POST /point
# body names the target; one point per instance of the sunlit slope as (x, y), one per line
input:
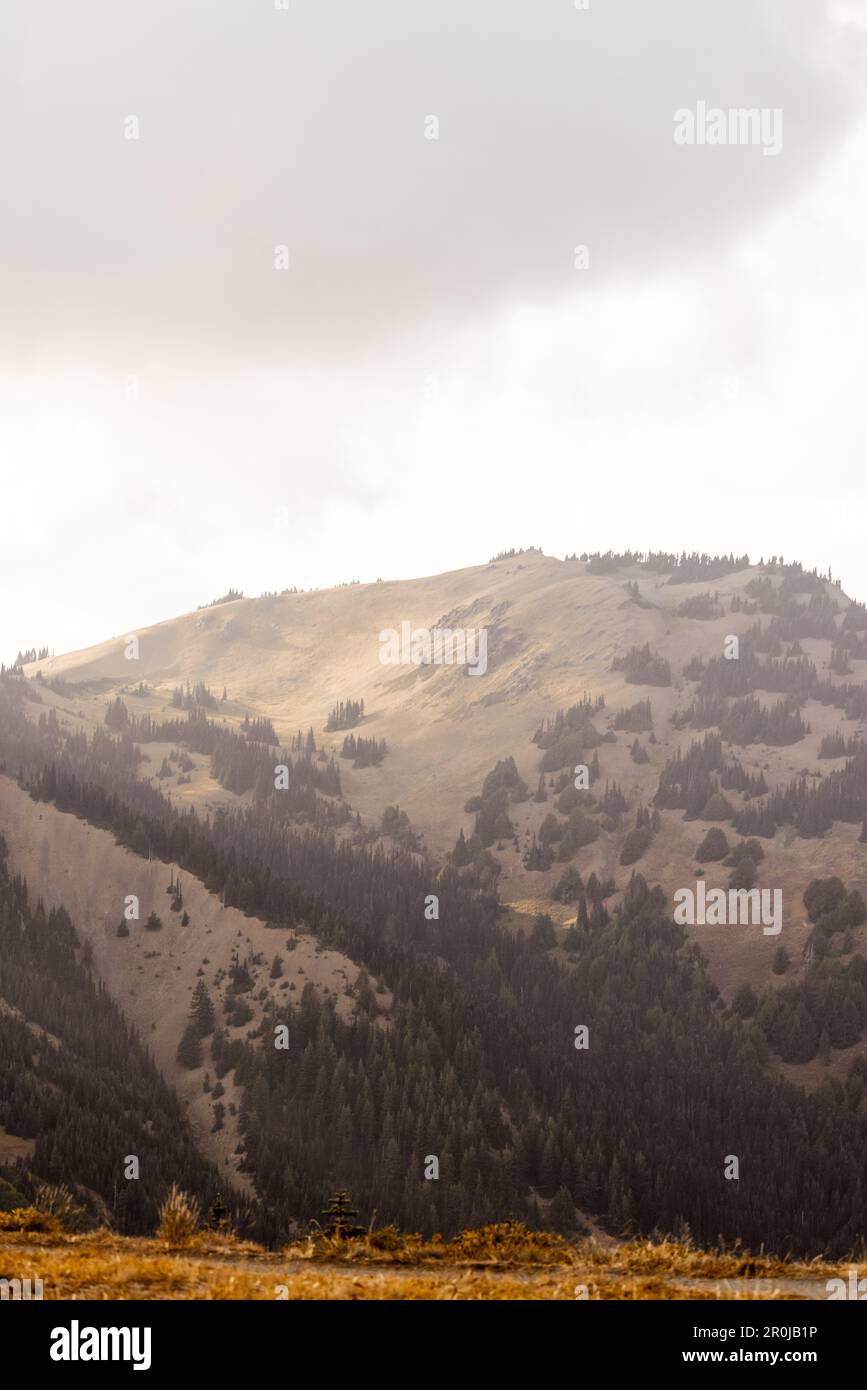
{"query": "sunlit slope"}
(553, 632)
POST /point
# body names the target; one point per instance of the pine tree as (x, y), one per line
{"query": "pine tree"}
(744, 1002)
(339, 1214)
(781, 961)
(202, 1011)
(189, 1052)
(561, 1212)
(461, 853)
(217, 1218)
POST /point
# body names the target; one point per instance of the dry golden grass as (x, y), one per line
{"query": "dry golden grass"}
(29, 1219)
(179, 1218)
(504, 1262)
(507, 1243)
(646, 1257)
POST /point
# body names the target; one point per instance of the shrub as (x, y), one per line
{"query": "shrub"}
(569, 887)
(714, 846)
(745, 1002)
(635, 844)
(29, 1219)
(240, 1014)
(179, 1217)
(510, 1241)
(823, 895)
(568, 799)
(550, 830)
(781, 961)
(745, 849)
(387, 1238)
(744, 874)
(55, 1200)
(583, 827)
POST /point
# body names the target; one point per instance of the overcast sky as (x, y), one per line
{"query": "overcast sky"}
(431, 379)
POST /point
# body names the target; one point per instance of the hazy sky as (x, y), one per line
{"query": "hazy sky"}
(431, 379)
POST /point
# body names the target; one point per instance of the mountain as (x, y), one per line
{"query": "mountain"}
(450, 902)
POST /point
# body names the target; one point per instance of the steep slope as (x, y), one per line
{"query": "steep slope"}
(701, 695)
(79, 1094)
(151, 975)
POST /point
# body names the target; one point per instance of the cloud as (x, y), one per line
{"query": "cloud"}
(261, 127)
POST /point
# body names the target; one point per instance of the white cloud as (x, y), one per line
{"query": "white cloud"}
(700, 386)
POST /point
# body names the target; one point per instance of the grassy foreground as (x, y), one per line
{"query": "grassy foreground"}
(497, 1262)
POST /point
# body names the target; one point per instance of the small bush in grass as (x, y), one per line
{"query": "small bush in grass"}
(29, 1219)
(179, 1217)
(635, 844)
(714, 846)
(386, 1238)
(56, 1200)
(510, 1240)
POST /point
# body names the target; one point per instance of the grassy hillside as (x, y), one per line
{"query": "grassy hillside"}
(556, 629)
(452, 1034)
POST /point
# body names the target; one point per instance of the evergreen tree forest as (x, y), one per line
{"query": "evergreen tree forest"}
(641, 666)
(76, 1078)
(364, 752)
(475, 1059)
(344, 715)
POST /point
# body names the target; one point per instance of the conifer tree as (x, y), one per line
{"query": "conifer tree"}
(202, 1011)
(189, 1052)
